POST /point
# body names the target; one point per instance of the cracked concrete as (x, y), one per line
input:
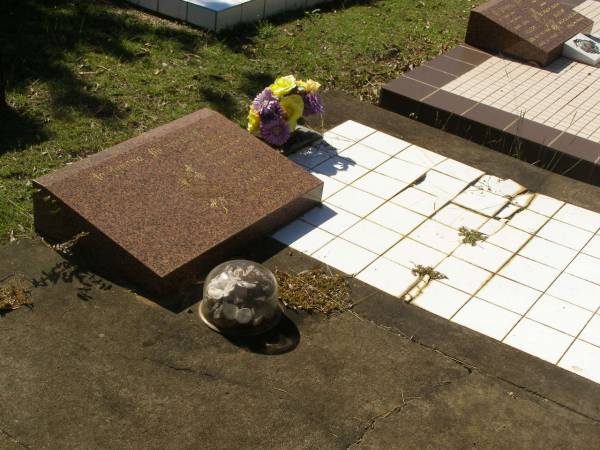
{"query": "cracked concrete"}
(115, 372)
(95, 366)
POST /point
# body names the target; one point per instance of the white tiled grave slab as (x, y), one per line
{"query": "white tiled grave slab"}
(220, 14)
(534, 283)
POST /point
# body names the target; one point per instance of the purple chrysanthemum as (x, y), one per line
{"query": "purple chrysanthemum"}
(275, 131)
(313, 104)
(274, 110)
(265, 102)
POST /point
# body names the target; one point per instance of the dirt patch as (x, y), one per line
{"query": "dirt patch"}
(14, 293)
(314, 291)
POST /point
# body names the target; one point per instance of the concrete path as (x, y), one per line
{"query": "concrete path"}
(95, 366)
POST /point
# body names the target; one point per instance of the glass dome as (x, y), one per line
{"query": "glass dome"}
(240, 298)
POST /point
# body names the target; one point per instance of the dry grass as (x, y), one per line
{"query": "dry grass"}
(471, 236)
(314, 291)
(14, 294)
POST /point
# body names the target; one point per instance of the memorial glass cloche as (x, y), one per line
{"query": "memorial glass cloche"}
(240, 298)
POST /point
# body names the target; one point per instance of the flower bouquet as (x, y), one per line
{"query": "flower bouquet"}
(275, 112)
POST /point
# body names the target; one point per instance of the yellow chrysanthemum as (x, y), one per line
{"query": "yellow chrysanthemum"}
(293, 105)
(253, 121)
(283, 86)
(309, 85)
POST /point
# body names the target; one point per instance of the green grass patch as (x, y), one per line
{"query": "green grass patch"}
(84, 75)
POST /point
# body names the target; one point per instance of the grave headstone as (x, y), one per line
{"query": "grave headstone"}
(531, 30)
(165, 207)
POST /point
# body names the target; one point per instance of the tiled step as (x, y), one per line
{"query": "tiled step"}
(217, 15)
(388, 205)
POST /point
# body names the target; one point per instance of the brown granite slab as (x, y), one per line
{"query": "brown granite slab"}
(531, 30)
(166, 206)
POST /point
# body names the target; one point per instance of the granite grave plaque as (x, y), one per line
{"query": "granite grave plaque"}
(166, 206)
(531, 30)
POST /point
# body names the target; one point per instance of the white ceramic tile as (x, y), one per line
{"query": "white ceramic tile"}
(545, 205)
(591, 332)
(345, 256)
(458, 170)
(379, 185)
(484, 255)
(504, 236)
(396, 218)
(411, 253)
(228, 18)
(330, 186)
(530, 273)
(547, 252)
(420, 156)
(583, 359)
(385, 143)
(330, 218)
(579, 217)
(456, 216)
(528, 221)
(538, 340)
(586, 267)
(200, 16)
(499, 186)
(173, 8)
(486, 318)
(148, 4)
(565, 234)
(336, 143)
(509, 294)
(441, 299)
(253, 10)
(303, 237)
(401, 170)
(441, 185)
(313, 155)
(462, 275)
(355, 201)
(437, 236)
(371, 236)
(273, 7)
(418, 201)
(559, 314)
(577, 291)
(388, 277)
(364, 156)
(341, 169)
(291, 5)
(482, 201)
(216, 5)
(593, 247)
(353, 130)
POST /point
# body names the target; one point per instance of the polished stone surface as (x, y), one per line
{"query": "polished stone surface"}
(167, 205)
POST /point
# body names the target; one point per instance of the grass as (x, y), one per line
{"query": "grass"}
(314, 291)
(84, 75)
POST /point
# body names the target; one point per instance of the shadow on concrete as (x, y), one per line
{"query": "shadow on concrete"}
(67, 272)
(284, 338)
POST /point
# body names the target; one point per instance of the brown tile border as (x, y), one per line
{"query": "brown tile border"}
(533, 131)
(577, 147)
(430, 76)
(449, 65)
(450, 102)
(418, 94)
(468, 55)
(491, 117)
(407, 87)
